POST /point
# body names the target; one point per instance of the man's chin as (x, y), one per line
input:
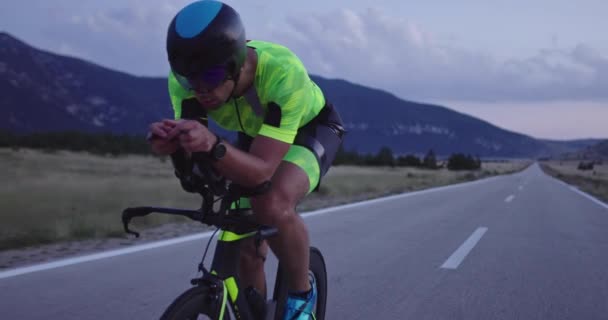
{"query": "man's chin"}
(210, 105)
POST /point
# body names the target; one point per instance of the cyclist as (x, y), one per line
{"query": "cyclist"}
(287, 132)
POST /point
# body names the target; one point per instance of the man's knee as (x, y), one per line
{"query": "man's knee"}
(273, 208)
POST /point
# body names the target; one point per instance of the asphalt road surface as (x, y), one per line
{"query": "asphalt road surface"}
(523, 246)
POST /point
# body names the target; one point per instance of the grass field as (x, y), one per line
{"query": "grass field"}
(594, 182)
(345, 184)
(51, 197)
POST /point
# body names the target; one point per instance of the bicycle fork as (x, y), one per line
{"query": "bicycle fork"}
(223, 279)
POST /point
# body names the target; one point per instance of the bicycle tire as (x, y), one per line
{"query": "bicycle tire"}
(190, 305)
(318, 269)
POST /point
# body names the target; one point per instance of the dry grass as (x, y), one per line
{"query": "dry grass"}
(50, 197)
(60, 196)
(345, 184)
(594, 181)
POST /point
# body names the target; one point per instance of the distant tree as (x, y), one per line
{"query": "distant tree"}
(97, 143)
(584, 165)
(367, 159)
(7, 139)
(459, 161)
(409, 161)
(347, 157)
(430, 160)
(478, 161)
(341, 156)
(384, 157)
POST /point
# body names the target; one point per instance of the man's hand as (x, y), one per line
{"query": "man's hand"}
(192, 135)
(158, 138)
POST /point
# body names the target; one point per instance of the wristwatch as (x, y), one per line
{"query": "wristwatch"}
(218, 150)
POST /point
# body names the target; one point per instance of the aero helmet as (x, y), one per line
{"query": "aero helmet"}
(206, 35)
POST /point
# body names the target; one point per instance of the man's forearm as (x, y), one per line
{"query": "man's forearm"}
(243, 168)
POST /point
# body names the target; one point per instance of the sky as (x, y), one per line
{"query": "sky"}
(536, 67)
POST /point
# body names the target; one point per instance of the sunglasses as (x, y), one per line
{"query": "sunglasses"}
(204, 81)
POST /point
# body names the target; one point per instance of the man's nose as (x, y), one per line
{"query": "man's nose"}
(200, 88)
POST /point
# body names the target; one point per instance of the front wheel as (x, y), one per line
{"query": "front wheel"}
(193, 304)
(317, 270)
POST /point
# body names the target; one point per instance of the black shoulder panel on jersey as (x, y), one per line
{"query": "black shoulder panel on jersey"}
(273, 117)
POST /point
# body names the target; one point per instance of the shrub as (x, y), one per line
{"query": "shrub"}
(409, 161)
(430, 160)
(459, 161)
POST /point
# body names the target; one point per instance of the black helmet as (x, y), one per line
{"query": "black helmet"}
(206, 34)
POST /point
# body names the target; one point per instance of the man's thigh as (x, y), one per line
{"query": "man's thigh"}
(301, 165)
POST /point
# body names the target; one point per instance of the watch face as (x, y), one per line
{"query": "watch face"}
(219, 151)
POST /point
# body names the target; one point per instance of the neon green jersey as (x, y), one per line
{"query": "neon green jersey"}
(289, 98)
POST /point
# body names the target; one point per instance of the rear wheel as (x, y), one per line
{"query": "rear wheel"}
(193, 304)
(316, 270)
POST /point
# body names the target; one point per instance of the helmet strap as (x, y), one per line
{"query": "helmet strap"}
(236, 78)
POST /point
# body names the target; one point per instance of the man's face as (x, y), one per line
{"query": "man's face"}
(214, 98)
(212, 87)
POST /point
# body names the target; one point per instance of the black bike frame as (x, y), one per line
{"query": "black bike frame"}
(235, 226)
(225, 267)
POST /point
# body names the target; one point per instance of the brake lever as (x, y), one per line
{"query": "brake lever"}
(129, 214)
(127, 230)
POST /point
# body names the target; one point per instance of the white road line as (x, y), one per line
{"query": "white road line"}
(588, 196)
(458, 256)
(582, 193)
(510, 198)
(163, 243)
(102, 255)
(561, 182)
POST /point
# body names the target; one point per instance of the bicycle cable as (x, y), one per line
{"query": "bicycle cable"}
(201, 265)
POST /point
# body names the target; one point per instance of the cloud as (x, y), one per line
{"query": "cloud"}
(543, 119)
(373, 47)
(128, 36)
(377, 49)
(68, 50)
(136, 22)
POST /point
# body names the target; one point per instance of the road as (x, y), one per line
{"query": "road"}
(522, 246)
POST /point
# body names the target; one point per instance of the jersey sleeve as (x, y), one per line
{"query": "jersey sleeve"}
(287, 101)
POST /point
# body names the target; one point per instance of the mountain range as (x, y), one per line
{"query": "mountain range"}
(41, 91)
(598, 151)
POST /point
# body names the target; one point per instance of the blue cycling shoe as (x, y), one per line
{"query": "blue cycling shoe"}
(299, 308)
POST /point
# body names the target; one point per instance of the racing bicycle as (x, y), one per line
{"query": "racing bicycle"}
(217, 293)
